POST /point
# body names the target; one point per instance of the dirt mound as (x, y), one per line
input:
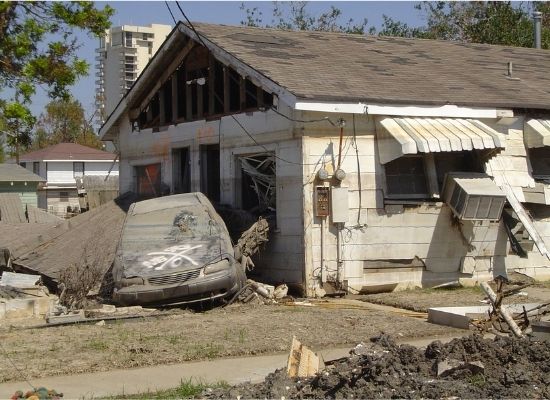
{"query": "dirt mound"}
(470, 367)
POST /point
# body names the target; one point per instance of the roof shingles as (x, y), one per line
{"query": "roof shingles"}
(340, 67)
(67, 152)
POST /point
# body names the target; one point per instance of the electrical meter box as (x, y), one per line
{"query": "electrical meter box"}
(321, 201)
(339, 204)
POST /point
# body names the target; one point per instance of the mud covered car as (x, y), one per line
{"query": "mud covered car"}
(173, 250)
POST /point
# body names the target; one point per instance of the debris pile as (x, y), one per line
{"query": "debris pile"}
(499, 318)
(470, 367)
(260, 293)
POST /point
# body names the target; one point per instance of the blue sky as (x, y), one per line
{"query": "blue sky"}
(223, 12)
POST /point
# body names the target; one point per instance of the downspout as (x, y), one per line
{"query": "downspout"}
(537, 23)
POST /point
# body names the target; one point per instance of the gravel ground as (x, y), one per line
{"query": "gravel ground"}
(178, 336)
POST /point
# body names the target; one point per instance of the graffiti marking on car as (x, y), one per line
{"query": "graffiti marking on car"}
(171, 257)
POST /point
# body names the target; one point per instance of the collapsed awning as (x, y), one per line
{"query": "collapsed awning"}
(399, 136)
(537, 133)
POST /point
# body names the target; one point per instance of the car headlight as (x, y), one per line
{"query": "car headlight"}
(216, 267)
(124, 282)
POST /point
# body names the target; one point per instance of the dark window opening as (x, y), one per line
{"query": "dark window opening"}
(63, 197)
(406, 177)
(167, 94)
(251, 100)
(218, 88)
(23, 164)
(234, 91)
(36, 167)
(268, 99)
(180, 75)
(423, 175)
(194, 105)
(181, 170)
(463, 161)
(210, 171)
(148, 180)
(540, 162)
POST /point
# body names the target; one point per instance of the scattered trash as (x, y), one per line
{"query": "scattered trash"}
(38, 394)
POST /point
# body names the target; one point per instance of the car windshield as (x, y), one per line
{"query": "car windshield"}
(191, 222)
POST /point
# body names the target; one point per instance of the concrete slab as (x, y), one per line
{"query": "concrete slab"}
(460, 317)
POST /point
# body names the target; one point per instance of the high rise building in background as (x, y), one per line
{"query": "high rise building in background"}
(122, 54)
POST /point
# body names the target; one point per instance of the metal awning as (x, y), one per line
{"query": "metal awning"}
(399, 136)
(537, 133)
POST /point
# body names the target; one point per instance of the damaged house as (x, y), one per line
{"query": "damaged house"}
(383, 162)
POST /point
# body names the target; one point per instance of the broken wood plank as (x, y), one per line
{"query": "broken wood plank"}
(503, 313)
(302, 362)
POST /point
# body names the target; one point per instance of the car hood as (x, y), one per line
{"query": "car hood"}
(157, 258)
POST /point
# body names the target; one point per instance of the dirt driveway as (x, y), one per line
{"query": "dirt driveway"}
(177, 336)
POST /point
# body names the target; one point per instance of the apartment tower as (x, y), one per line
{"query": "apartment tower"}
(122, 54)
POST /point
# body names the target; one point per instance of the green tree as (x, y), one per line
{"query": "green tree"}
(38, 48)
(64, 121)
(490, 22)
(294, 15)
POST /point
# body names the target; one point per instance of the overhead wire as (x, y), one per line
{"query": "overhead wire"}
(170, 11)
(327, 119)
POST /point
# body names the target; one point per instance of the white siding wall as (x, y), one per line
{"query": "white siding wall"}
(373, 235)
(100, 168)
(60, 173)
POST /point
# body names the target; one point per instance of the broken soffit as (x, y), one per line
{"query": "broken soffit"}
(398, 136)
(537, 133)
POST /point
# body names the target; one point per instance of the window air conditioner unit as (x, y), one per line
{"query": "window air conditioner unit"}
(473, 196)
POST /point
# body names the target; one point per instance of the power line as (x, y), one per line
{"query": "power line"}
(170, 11)
(191, 25)
(327, 119)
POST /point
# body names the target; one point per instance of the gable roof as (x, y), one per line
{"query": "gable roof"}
(329, 66)
(67, 152)
(346, 68)
(16, 173)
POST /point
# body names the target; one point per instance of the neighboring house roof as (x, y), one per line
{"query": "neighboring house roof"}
(67, 152)
(16, 173)
(338, 67)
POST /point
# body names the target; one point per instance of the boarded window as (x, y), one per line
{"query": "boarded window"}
(148, 180)
(406, 177)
